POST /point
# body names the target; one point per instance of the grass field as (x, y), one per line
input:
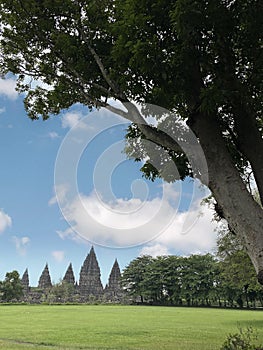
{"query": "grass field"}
(120, 327)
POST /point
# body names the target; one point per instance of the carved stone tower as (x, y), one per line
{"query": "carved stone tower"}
(113, 289)
(89, 280)
(69, 275)
(25, 282)
(45, 280)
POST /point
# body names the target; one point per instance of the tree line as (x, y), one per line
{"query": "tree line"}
(227, 279)
(196, 280)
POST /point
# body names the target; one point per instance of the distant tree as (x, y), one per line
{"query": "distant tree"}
(200, 59)
(11, 288)
(134, 277)
(237, 277)
(156, 279)
(199, 276)
(171, 279)
(61, 291)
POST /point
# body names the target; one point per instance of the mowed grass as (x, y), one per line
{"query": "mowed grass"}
(120, 327)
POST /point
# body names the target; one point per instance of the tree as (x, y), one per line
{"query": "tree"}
(228, 279)
(62, 292)
(237, 278)
(200, 59)
(171, 279)
(11, 288)
(198, 277)
(133, 278)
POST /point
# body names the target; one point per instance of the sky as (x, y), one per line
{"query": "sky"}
(66, 184)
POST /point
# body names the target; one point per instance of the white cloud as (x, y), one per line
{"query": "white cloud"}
(154, 250)
(122, 223)
(5, 221)
(60, 194)
(58, 255)
(7, 88)
(71, 234)
(154, 222)
(21, 244)
(73, 120)
(53, 135)
(200, 238)
(2, 110)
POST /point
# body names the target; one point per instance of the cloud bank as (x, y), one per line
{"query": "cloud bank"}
(155, 223)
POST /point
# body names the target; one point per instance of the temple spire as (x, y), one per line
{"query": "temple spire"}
(45, 280)
(25, 281)
(69, 275)
(113, 289)
(89, 281)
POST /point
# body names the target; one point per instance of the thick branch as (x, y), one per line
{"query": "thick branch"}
(151, 133)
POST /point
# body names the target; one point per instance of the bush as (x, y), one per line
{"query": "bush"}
(242, 340)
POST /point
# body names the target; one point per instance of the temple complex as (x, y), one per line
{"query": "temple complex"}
(88, 288)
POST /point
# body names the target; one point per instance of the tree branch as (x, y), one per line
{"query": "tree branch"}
(150, 132)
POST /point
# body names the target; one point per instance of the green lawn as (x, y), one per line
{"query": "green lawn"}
(120, 327)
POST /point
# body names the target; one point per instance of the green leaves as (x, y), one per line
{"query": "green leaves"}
(170, 279)
(11, 288)
(50, 41)
(194, 280)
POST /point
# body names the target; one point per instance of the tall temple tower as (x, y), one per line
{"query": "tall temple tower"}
(25, 282)
(69, 275)
(45, 280)
(89, 279)
(113, 289)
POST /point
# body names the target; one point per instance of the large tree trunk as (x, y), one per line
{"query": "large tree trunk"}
(243, 214)
(251, 144)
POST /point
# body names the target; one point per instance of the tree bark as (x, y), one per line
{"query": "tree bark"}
(241, 211)
(251, 144)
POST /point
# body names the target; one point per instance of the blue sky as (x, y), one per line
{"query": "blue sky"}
(65, 184)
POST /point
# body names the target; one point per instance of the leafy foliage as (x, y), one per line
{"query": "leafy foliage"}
(134, 276)
(147, 51)
(237, 276)
(62, 291)
(243, 340)
(193, 280)
(11, 288)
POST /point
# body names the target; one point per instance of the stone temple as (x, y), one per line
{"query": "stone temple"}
(89, 278)
(69, 275)
(45, 280)
(113, 289)
(89, 287)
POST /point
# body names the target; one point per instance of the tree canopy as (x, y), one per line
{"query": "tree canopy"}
(196, 280)
(201, 60)
(11, 288)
